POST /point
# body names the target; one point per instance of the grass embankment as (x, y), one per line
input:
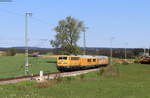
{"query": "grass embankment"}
(129, 81)
(12, 66)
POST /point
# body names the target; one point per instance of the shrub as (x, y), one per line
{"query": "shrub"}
(58, 78)
(108, 71)
(111, 71)
(82, 76)
(11, 52)
(125, 63)
(100, 72)
(69, 78)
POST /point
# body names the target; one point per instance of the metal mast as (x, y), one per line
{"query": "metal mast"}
(125, 51)
(144, 51)
(26, 43)
(84, 42)
(111, 50)
(148, 51)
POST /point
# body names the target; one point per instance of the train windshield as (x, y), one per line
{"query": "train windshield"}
(62, 58)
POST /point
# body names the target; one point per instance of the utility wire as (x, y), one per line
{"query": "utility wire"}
(22, 15)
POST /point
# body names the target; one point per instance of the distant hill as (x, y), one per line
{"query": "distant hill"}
(32, 48)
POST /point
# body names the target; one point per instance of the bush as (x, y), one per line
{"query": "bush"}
(108, 71)
(11, 52)
(69, 78)
(101, 71)
(125, 63)
(111, 71)
(59, 79)
(82, 76)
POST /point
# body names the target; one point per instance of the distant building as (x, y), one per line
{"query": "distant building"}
(143, 54)
(35, 54)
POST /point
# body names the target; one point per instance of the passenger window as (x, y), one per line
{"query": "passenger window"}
(94, 60)
(89, 60)
(74, 58)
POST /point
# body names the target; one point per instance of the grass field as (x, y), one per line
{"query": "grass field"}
(12, 66)
(131, 81)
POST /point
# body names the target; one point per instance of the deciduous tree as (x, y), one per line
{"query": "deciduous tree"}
(68, 33)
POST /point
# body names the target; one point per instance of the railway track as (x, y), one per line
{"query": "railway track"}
(45, 76)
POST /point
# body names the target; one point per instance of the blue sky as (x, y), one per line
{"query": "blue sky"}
(127, 21)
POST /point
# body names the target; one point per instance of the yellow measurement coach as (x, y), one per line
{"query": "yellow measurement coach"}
(70, 63)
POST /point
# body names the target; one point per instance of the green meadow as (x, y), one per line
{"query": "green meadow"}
(12, 66)
(119, 81)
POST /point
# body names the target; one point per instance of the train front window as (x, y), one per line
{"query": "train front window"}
(62, 58)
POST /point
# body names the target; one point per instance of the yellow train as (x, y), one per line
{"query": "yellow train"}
(70, 63)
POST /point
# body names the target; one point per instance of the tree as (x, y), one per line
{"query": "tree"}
(68, 33)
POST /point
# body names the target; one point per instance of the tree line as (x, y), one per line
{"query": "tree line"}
(117, 52)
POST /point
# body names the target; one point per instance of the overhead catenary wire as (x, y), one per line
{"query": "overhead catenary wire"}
(22, 15)
(48, 25)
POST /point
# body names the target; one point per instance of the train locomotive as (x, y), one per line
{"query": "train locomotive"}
(72, 63)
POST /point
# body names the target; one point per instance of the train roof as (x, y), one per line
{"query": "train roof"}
(93, 56)
(101, 56)
(87, 56)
